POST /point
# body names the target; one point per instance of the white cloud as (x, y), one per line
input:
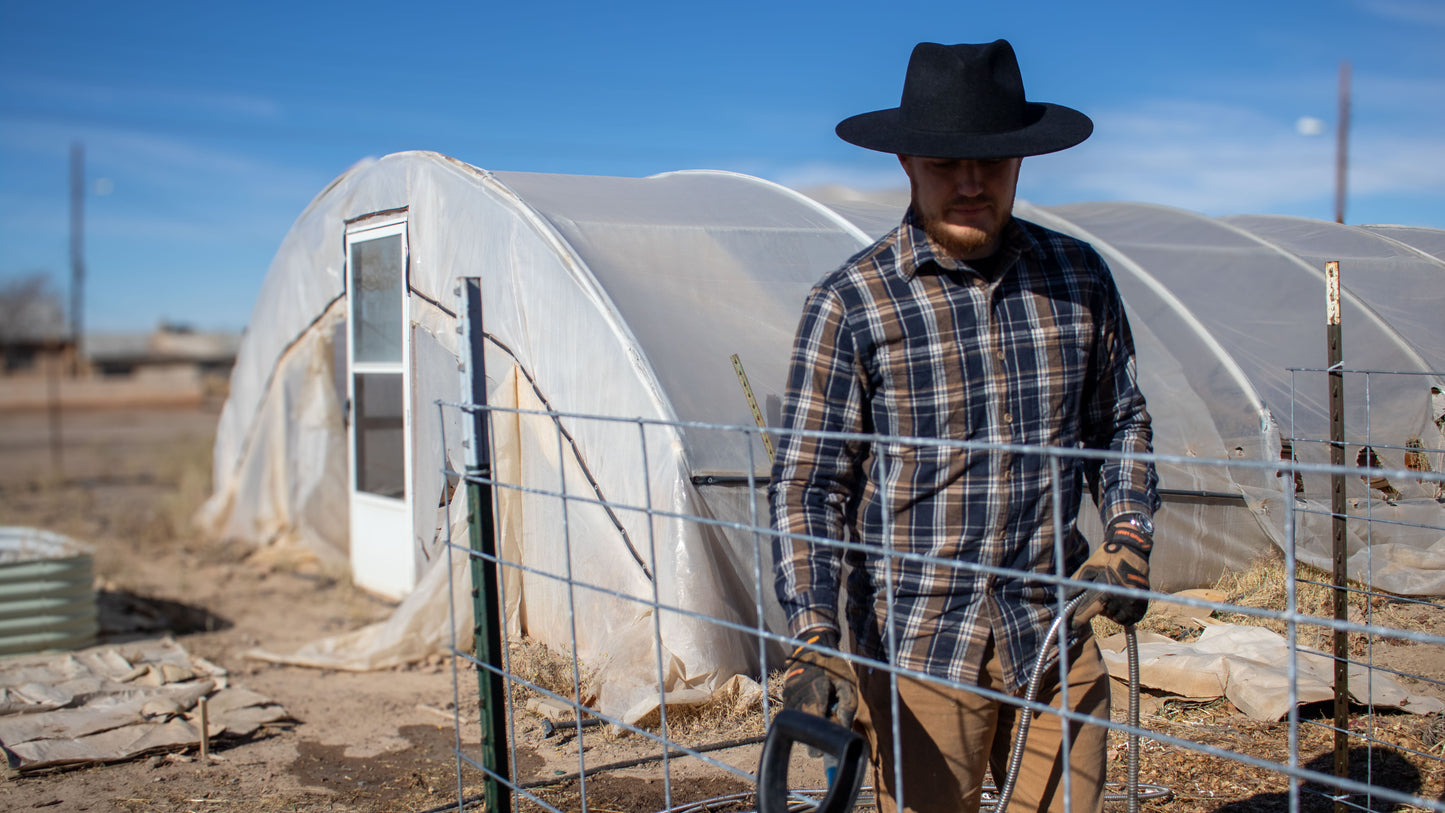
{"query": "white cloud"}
(168, 190)
(1402, 98)
(110, 98)
(1219, 159)
(1386, 163)
(1417, 12)
(178, 163)
(160, 162)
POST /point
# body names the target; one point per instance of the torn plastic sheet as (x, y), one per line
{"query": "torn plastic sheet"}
(113, 703)
(1249, 666)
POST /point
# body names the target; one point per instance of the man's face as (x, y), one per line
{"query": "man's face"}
(963, 202)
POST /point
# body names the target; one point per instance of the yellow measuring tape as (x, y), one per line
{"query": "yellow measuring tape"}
(753, 405)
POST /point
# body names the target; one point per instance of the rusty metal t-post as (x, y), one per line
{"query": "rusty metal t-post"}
(1338, 508)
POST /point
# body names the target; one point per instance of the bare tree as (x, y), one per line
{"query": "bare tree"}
(30, 309)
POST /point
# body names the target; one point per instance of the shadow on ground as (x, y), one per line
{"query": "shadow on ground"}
(425, 771)
(125, 614)
(1379, 767)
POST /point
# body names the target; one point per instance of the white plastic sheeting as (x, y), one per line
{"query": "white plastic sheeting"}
(1251, 666)
(1246, 299)
(708, 264)
(626, 297)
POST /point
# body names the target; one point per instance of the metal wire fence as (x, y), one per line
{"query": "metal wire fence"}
(554, 626)
(1386, 510)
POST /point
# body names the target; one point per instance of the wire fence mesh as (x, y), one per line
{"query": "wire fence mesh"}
(628, 645)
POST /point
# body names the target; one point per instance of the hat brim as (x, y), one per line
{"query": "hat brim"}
(1055, 128)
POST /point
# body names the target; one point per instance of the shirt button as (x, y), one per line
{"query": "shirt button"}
(998, 355)
(1008, 417)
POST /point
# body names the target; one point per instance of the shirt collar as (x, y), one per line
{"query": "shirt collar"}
(917, 250)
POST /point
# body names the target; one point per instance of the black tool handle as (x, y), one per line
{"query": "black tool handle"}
(790, 726)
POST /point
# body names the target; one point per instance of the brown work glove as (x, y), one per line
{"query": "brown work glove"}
(1123, 561)
(818, 683)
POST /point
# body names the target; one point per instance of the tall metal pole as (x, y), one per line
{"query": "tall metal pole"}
(1342, 142)
(77, 250)
(1335, 343)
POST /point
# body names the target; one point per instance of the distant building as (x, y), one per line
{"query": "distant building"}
(40, 366)
(170, 348)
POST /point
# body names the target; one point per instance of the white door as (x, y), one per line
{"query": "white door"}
(382, 559)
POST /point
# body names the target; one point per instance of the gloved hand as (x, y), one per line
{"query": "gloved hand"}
(1122, 560)
(819, 683)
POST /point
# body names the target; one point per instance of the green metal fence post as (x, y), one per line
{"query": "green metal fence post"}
(486, 597)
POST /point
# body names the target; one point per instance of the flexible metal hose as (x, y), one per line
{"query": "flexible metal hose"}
(1031, 695)
(1131, 645)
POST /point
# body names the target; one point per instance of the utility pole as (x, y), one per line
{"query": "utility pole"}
(1342, 142)
(77, 250)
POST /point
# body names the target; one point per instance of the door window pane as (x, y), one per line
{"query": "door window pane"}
(380, 443)
(376, 313)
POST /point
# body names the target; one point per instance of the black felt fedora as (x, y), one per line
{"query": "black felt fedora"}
(966, 101)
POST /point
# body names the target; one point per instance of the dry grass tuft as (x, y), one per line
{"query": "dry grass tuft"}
(1262, 586)
(1265, 586)
(535, 663)
(736, 715)
(1432, 734)
(725, 716)
(728, 717)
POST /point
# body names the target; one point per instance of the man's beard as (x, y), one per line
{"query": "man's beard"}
(955, 244)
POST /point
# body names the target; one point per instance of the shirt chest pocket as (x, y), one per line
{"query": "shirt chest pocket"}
(928, 389)
(1053, 370)
(1065, 347)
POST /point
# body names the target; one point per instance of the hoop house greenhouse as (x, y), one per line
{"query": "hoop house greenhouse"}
(627, 297)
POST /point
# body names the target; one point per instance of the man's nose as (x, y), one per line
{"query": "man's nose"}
(968, 178)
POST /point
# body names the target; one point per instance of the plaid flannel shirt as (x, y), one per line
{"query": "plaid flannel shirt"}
(903, 342)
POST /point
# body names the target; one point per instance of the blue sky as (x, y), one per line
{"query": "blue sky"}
(207, 128)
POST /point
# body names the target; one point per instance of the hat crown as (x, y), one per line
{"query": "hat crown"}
(964, 89)
(966, 101)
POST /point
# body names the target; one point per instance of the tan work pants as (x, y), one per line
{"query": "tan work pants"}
(951, 737)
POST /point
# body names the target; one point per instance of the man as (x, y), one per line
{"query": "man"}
(963, 324)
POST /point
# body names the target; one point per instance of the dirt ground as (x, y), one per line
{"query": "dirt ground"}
(127, 482)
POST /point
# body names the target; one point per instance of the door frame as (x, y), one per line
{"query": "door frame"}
(383, 557)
